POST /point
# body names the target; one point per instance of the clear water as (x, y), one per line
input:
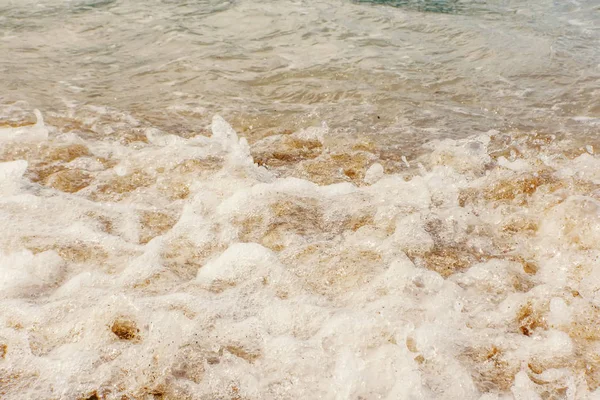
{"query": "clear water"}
(483, 65)
(294, 199)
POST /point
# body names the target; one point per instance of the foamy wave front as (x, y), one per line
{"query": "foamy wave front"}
(139, 265)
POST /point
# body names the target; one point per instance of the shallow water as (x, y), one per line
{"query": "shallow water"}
(399, 200)
(366, 69)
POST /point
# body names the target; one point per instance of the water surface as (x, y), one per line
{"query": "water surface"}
(299, 199)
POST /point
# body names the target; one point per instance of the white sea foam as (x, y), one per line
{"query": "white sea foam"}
(182, 269)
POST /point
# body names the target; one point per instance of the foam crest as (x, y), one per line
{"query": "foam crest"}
(34, 133)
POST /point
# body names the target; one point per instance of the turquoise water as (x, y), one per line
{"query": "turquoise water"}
(436, 6)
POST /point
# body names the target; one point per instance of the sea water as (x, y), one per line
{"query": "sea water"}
(299, 199)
